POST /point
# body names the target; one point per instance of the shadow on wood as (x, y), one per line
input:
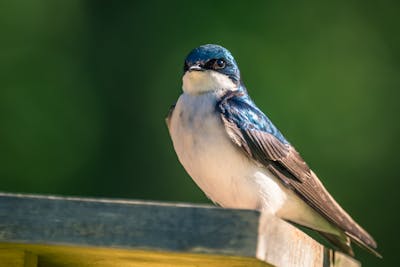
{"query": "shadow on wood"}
(64, 231)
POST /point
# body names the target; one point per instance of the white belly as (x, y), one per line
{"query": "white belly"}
(218, 167)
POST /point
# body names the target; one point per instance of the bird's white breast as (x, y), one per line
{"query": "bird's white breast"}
(218, 167)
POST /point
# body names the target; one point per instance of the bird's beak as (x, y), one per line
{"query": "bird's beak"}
(196, 67)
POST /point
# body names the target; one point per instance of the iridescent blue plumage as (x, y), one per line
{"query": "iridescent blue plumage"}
(240, 109)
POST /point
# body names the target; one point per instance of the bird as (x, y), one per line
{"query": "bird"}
(240, 159)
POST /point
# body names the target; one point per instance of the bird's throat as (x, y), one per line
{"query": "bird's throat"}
(200, 82)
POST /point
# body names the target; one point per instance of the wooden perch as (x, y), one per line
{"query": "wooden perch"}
(64, 231)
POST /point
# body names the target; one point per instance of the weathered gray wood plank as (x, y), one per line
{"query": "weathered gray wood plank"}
(127, 224)
(58, 228)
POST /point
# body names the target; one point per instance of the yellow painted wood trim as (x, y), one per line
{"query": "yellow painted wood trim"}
(77, 256)
(17, 258)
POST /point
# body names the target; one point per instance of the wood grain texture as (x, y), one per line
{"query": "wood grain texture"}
(342, 260)
(65, 231)
(281, 244)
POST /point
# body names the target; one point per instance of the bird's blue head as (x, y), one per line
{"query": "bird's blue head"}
(210, 67)
(212, 57)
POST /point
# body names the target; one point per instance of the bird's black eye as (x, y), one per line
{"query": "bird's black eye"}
(219, 64)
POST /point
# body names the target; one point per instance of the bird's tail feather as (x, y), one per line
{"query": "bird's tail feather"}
(342, 243)
(362, 245)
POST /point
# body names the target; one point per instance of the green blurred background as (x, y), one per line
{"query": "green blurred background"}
(85, 87)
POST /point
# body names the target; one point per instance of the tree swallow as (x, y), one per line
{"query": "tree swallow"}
(240, 159)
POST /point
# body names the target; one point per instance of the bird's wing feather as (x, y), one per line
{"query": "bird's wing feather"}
(251, 130)
(168, 118)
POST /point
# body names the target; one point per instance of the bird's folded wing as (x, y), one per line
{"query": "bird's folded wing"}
(169, 115)
(261, 141)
